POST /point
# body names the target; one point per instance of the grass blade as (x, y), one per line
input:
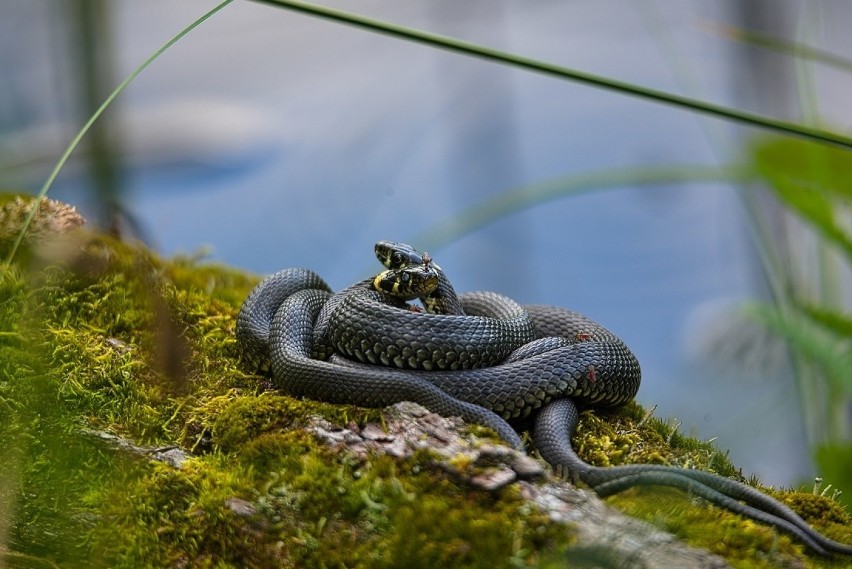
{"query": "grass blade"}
(810, 339)
(837, 323)
(810, 180)
(467, 48)
(517, 199)
(786, 46)
(76, 140)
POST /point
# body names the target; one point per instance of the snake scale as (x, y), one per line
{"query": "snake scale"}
(480, 356)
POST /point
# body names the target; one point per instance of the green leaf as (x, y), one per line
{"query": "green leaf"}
(834, 321)
(825, 169)
(812, 180)
(809, 339)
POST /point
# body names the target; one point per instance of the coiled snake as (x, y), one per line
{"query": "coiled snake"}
(480, 356)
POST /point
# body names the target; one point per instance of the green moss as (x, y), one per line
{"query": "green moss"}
(316, 508)
(628, 436)
(49, 471)
(742, 542)
(229, 421)
(118, 339)
(173, 517)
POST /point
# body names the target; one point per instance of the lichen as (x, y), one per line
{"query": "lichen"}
(118, 339)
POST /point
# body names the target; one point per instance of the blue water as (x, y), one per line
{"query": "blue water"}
(362, 137)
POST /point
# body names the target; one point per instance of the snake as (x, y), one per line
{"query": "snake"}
(480, 356)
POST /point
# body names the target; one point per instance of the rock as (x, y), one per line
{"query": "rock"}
(493, 479)
(240, 507)
(524, 466)
(527, 468)
(374, 432)
(612, 538)
(171, 455)
(493, 454)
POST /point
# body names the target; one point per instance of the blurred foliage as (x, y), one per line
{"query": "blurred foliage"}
(814, 182)
(835, 463)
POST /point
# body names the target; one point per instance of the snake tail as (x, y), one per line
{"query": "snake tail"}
(556, 424)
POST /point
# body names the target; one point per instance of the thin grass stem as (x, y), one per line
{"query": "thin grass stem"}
(76, 140)
(798, 49)
(467, 48)
(520, 198)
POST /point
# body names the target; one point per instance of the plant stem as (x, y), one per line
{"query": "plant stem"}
(76, 140)
(467, 48)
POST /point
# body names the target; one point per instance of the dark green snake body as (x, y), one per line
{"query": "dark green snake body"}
(485, 359)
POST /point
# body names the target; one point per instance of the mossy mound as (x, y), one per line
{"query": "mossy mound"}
(115, 339)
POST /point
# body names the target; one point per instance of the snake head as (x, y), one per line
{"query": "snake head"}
(407, 283)
(396, 255)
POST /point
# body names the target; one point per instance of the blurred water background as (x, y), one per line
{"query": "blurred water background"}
(267, 139)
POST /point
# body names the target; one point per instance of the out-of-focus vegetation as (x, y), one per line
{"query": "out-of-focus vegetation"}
(809, 273)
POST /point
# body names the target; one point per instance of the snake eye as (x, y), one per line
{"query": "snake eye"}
(396, 258)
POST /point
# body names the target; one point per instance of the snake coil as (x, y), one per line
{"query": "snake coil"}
(480, 356)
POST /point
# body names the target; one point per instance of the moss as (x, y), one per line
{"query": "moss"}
(629, 436)
(229, 421)
(178, 518)
(742, 542)
(118, 339)
(315, 508)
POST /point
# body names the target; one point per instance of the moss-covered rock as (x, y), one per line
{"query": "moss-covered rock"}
(111, 338)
